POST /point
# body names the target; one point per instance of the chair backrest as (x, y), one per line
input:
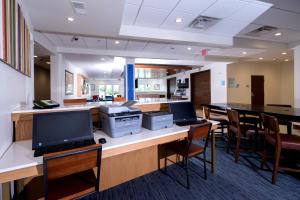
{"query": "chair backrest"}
(206, 112)
(198, 132)
(233, 120)
(64, 163)
(271, 126)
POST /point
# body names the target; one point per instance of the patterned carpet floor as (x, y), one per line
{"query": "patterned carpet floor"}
(244, 180)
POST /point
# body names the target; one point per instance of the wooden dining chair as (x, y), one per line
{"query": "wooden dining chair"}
(280, 142)
(239, 131)
(223, 123)
(189, 148)
(68, 175)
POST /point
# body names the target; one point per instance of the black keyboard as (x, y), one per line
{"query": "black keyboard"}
(187, 123)
(63, 147)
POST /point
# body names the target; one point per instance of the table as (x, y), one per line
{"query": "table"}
(290, 114)
(123, 159)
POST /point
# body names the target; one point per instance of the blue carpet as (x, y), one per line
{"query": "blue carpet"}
(232, 181)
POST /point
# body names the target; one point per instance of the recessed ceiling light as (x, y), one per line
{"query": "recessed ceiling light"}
(48, 63)
(35, 56)
(178, 20)
(117, 42)
(278, 34)
(189, 48)
(102, 59)
(261, 58)
(70, 19)
(286, 60)
(283, 53)
(244, 52)
(274, 59)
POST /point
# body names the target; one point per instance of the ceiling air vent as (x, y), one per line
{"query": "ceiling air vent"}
(79, 7)
(264, 30)
(203, 22)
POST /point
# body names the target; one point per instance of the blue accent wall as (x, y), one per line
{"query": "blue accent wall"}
(130, 82)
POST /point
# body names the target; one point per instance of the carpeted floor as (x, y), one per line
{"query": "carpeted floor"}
(232, 181)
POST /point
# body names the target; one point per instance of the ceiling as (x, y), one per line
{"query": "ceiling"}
(98, 66)
(148, 28)
(283, 15)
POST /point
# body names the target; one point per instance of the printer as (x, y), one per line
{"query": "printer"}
(120, 120)
(157, 120)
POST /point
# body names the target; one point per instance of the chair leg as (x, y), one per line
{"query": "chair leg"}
(264, 158)
(228, 142)
(204, 160)
(289, 129)
(237, 152)
(276, 165)
(166, 155)
(187, 172)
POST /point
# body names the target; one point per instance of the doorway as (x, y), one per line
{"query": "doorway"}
(258, 90)
(200, 89)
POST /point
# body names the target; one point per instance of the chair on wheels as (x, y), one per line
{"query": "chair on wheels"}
(239, 131)
(187, 148)
(223, 123)
(280, 142)
(68, 175)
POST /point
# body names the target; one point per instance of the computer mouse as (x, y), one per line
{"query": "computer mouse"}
(102, 141)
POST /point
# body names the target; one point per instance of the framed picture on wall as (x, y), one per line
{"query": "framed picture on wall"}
(69, 83)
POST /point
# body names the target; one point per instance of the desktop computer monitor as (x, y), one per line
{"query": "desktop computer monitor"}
(183, 111)
(57, 128)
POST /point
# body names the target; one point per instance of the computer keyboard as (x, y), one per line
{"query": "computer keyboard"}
(63, 147)
(187, 123)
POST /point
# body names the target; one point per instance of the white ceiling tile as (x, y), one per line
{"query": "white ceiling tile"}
(249, 13)
(69, 41)
(161, 4)
(135, 2)
(136, 46)
(154, 47)
(227, 27)
(130, 13)
(111, 45)
(224, 8)
(151, 16)
(194, 6)
(171, 20)
(98, 43)
(54, 39)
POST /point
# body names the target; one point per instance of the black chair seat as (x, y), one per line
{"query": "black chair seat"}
(219, 119)
(250, 120)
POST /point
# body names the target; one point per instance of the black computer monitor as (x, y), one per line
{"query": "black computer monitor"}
(183, 111)
(57, 128)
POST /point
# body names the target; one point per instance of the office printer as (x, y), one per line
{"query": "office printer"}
(118, 121)
(157, 120)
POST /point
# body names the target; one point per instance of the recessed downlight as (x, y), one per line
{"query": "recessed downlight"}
(244, 52)
(286, 60)
(189, 48)
(35, 56)
(283, 53)
(48, 62)
(117, 42)
(70, 19)
(102, 59)
(178, 20)
(261, 58)
(278, 34)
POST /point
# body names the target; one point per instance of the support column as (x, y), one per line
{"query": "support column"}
(129, 80)
(296, 76)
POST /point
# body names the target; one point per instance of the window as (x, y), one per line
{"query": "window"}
(109, 90)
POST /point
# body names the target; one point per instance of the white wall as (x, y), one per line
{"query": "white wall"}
(16, 89)
(297, 76)
(278, 81)
(58, 66)
(218, 79)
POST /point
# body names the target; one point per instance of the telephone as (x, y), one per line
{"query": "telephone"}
(45, 104)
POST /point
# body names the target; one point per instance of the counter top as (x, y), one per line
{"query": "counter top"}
(89, 105)
(20, 154)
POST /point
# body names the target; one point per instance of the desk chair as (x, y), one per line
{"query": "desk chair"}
(239, 131)
(68, 175)
(187, 148)
(280, 142)
(223, 122)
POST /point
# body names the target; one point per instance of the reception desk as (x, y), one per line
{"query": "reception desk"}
(123, 159)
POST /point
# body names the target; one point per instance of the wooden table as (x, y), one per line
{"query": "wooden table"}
(123, 159)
